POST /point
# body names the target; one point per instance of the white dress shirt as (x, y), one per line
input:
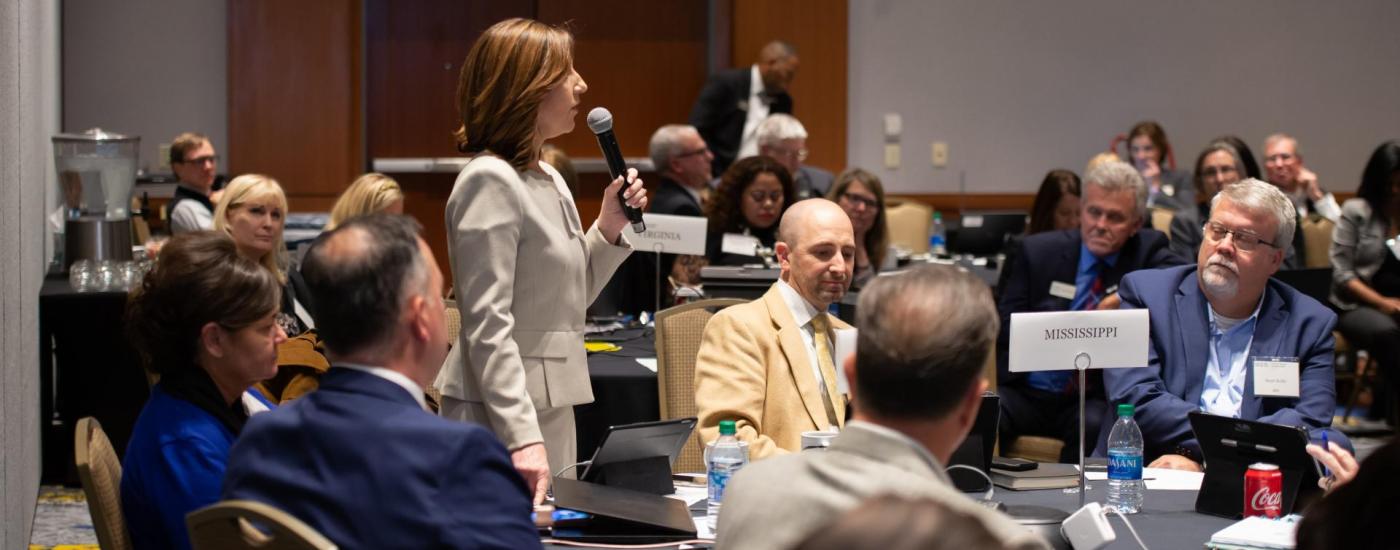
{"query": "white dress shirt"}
(802, 314)
(396, 377)
(758, 110)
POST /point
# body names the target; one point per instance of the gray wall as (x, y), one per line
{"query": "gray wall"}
(28, 114)
(153, 68)
(1017, 88)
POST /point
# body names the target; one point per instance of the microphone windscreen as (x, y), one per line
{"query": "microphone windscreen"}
(599, 120)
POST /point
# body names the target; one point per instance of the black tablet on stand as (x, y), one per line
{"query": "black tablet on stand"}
(1230, 445)
(639, 456)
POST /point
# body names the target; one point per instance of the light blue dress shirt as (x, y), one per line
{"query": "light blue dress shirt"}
(1228, 364)
(1056, 381)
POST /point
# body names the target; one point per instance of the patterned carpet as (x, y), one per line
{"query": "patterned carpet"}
(62, 521)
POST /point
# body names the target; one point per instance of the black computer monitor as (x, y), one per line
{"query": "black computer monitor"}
(985, 233)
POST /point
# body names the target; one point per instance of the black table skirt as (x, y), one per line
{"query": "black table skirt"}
(624, 391)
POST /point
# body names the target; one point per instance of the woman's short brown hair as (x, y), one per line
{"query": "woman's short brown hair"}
(504, 78)
(726, 208)
(198, 279)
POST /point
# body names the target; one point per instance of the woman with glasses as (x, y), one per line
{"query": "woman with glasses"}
(254, 212)
(524, 266)
(862, 196)
(1218, 165)
(1366, 268)
(205, 320)
(745, 210)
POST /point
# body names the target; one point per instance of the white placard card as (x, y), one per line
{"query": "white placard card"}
(671, 234)
(1052, 340)
(845, 348)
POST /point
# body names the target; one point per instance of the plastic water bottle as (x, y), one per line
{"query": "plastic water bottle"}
(1125, 486)
(726, 457)
(938, 237)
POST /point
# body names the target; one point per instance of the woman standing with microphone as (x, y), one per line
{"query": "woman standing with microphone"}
(525, 269)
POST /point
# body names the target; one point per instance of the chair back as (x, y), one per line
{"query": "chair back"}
(908, 223)
(1162, 220)
(248, 525)
(454, 322)
(1317, 241)
(679, 331)
(101, 474)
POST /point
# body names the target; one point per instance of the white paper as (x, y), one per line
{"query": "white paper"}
(743, 245)
(1275, 377)
(845, 347)
(648, 362)
(671, 234)
(1062, 290)
(1112, 339)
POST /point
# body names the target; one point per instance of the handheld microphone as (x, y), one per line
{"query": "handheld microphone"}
(601, 122)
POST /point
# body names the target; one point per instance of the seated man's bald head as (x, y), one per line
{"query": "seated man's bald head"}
(817, 250)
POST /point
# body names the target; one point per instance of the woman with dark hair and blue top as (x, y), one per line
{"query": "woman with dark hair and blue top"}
(205, 320)
(1366, 265)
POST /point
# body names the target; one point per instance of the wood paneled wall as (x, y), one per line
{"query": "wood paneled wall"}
(818, 29)
(295, 106)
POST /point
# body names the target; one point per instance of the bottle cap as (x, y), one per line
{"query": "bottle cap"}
(726, 427)
(1125, 409)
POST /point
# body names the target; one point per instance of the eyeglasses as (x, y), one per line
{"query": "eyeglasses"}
(1218, 171)
(799, 154)
(760, 196)
(211, 159)
(700, 151)
(859, 200)
(1279, 157)
(1216, 232)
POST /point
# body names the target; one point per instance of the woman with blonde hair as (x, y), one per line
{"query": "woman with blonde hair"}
(368, 194)
(254, 211)
(524, 267)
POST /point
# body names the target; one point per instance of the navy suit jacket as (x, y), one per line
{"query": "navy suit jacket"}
(721, 110)
(361, 462)
(1053, 256)
(1290, 324)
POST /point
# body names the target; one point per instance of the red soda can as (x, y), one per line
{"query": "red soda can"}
(1263, 491)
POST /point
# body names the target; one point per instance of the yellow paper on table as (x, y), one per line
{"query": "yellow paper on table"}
(595, 347)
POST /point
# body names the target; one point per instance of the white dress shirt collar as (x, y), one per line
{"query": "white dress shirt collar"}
(802, 311)
(396, 377)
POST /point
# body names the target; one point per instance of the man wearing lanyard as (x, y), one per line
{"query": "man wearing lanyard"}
(1226, 338)
(1074, 269)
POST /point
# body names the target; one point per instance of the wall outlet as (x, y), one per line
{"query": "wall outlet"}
(163, 156)
(892, 156)
(894, 125)
(940, 154)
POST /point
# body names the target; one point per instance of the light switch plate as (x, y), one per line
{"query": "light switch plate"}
(940, 154)
(892, 155)
(163, 156)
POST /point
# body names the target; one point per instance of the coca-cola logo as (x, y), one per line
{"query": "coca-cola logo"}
(1264, 499)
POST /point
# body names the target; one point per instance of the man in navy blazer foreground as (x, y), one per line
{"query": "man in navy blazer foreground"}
(1212, 323)
(361, 459)
(1074, 270)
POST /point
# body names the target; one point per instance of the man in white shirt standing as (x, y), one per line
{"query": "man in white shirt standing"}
(734, 102)
(769, 364)
(1283, 166)
(194, 161)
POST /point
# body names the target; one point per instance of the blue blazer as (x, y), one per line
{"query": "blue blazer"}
(174, 465)
(361, 462)
(1290, 324)
(1053, 256)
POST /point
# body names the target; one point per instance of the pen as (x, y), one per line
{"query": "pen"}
(1326, 447)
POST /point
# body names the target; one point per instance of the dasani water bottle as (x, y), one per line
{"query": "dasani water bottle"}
(726, 457)
(1125, 486)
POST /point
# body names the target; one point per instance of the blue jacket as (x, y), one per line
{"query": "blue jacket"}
(1290, 324)
(360, 461)
(174, 465)
(1054, 256)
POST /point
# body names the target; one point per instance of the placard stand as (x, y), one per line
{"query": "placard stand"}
(1081, 364)
(660, 283)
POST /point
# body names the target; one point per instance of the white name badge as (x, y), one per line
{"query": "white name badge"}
(1276, 376)
(671, 234)
(1110, 339)
(845, 348)
(743, 245)
(1062, 290)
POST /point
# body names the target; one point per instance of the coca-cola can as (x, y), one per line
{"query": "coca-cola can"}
(1263, 490)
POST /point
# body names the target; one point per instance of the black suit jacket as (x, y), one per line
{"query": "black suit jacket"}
(671, 198)
(721, 109)
(1053, 256)
(633, 288)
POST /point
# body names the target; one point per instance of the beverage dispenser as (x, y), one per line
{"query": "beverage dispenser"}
(96, 173)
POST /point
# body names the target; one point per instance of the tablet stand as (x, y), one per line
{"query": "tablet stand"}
(648, 475)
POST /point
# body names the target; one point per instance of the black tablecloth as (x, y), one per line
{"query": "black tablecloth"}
(624, 391)
(1168, 518)
(86, 368)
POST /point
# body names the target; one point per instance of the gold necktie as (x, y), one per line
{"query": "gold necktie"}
(834, 401)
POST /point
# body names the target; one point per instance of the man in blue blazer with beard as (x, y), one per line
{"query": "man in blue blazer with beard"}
(362, 459)
(1213, 322)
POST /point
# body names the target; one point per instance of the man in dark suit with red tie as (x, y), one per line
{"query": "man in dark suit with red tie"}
(1074, 270)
